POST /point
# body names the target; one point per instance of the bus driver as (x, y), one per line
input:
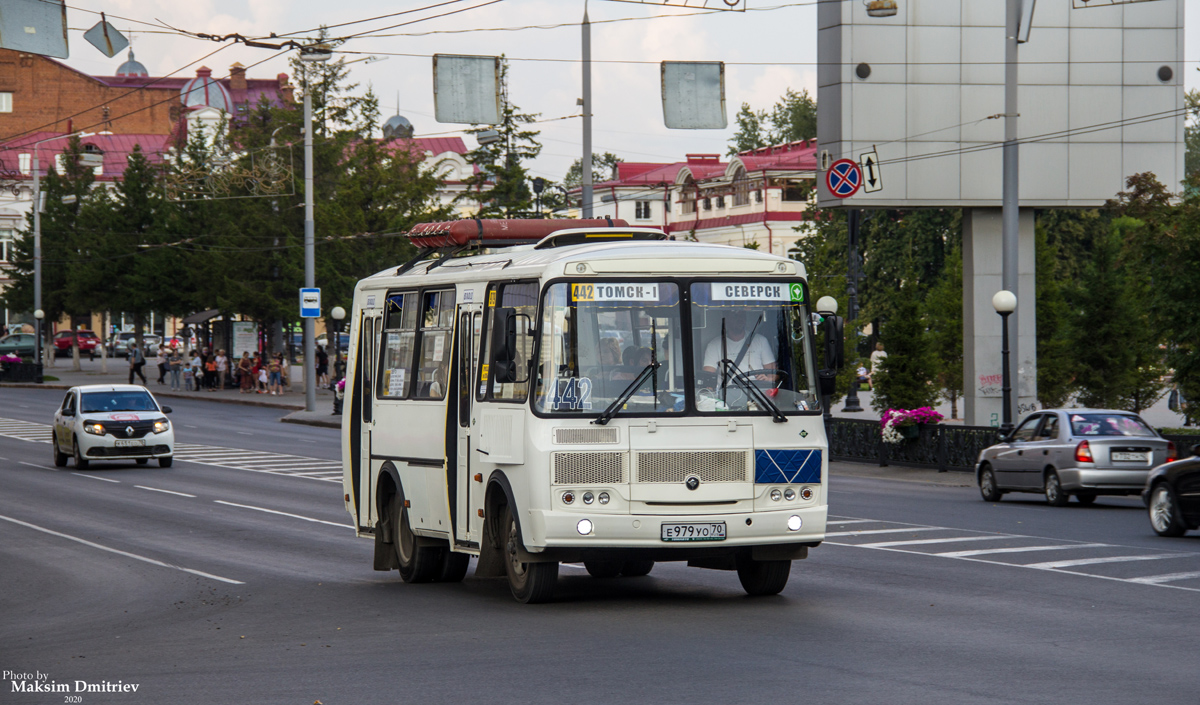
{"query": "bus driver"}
(754, 354)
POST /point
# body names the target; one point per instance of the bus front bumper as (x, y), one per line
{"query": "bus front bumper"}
(556, 529)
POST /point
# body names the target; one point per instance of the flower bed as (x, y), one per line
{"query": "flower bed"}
(896, 425)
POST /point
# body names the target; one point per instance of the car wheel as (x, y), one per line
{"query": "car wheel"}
(1055, 496)
(60, 458)
(603, 569)
(636, 569)
(1086, 498)
(165, 462)
(81, 462)
(530, 583)
(761, 578)
(987, 485)
(1164, 512)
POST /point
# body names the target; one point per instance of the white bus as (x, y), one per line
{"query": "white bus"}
(598, 394)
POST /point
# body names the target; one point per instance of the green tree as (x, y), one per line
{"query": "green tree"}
(604, 168)
(1055, 359)
(1191, 135)
(501, 188)
(944, 318)
(791, 119)
(906, 377)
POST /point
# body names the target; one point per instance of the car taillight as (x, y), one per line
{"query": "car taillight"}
(1172, 454)
(1083, 452)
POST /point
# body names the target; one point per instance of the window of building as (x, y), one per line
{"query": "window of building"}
(641, 210)
(6, 245)
(5, 102)
(720, 201)
(706, 204)
(741, 189)
(25, 163)
(796, 190)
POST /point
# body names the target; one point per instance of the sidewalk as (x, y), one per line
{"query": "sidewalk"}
(953, 478)
(91, 372)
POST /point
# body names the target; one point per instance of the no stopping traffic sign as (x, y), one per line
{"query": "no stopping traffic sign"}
(844, 178)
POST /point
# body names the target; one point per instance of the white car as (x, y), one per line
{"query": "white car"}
(112, 422)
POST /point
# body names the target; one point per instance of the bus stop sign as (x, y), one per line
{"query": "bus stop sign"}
(310, 303)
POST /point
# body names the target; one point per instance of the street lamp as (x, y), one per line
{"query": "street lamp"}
(37, 223)
(38, 315)
(1005, 302)
(312, 54)
(827, 307)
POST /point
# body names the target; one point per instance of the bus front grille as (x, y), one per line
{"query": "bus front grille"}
(709, 466)
(589, 468)
(586, 436)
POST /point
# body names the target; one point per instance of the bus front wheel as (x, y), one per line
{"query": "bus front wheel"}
(761, 578)
(530, 583)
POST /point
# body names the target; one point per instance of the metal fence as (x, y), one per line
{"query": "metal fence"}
(939, 446)
(21, 372)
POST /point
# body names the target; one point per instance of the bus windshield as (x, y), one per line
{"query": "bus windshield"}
(751, 334)
(598, 338)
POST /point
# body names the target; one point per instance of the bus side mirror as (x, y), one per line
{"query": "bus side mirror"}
(834, 342)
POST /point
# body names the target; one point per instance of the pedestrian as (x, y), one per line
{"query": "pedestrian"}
(210, 371)
(275, 380)
(245, 374)
(322, 367)
(222, 369)
(263, 378)
(285, 373)
(197, 371)
(137, 360)
(161, 356)
(877, 359)
(174, 366)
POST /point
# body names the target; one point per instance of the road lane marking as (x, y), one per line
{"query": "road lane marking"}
(39, 467)
(1168, 578)
(1050, 565)
(855, 521)
(917, 542)
(243, 433)
(155, 489)
(286, 514)
(887, 531)
(119, 552)
(102, 479)
(1019, 549)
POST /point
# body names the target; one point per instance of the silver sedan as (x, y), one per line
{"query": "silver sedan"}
(1080, 452)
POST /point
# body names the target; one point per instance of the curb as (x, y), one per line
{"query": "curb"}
(33, 385)
(323, 423)
(230, 400)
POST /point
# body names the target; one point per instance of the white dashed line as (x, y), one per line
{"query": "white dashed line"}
(102, 479)
(286, 514)
(155, 489)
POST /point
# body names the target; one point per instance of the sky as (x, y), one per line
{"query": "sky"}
(767, 50)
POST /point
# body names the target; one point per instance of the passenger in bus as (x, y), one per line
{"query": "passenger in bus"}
(636, 360)
(610, 352)
(748, 354)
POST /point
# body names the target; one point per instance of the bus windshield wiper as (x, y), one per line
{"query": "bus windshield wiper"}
(624, 396)
(732, 371)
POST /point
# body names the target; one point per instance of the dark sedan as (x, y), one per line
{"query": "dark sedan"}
(1172, 496)
(21, 344)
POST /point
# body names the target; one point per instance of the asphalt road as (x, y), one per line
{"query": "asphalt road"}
(240, 581)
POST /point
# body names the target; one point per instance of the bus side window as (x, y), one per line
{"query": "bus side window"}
(399, 338)
(433, 370)
(516, 306)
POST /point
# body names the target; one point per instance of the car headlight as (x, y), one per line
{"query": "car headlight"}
(96, 429)
(161, 425)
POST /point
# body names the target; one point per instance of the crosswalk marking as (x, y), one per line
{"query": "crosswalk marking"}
(916, 542)
(235, 458)
(884, 531)
(1073, 566)
(1094, 561)
(1168, 578)
(1018, 549)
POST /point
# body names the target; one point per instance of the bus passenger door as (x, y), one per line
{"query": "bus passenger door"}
(367, 366)
(469, 494)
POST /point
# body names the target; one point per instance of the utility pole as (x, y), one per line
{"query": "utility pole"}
(586, 162)
(1010, 198)
(313, 54)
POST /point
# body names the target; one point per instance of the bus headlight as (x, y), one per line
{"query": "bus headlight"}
(603, 498)
(789, 494)
(584, 527)
(794, 523)
(776, 495)
(588, 498)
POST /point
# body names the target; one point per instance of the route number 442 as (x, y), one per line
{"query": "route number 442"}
(573, 393)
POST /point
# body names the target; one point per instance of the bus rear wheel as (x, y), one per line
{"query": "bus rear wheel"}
(530, 583)
(418, 564)
(760, 578)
